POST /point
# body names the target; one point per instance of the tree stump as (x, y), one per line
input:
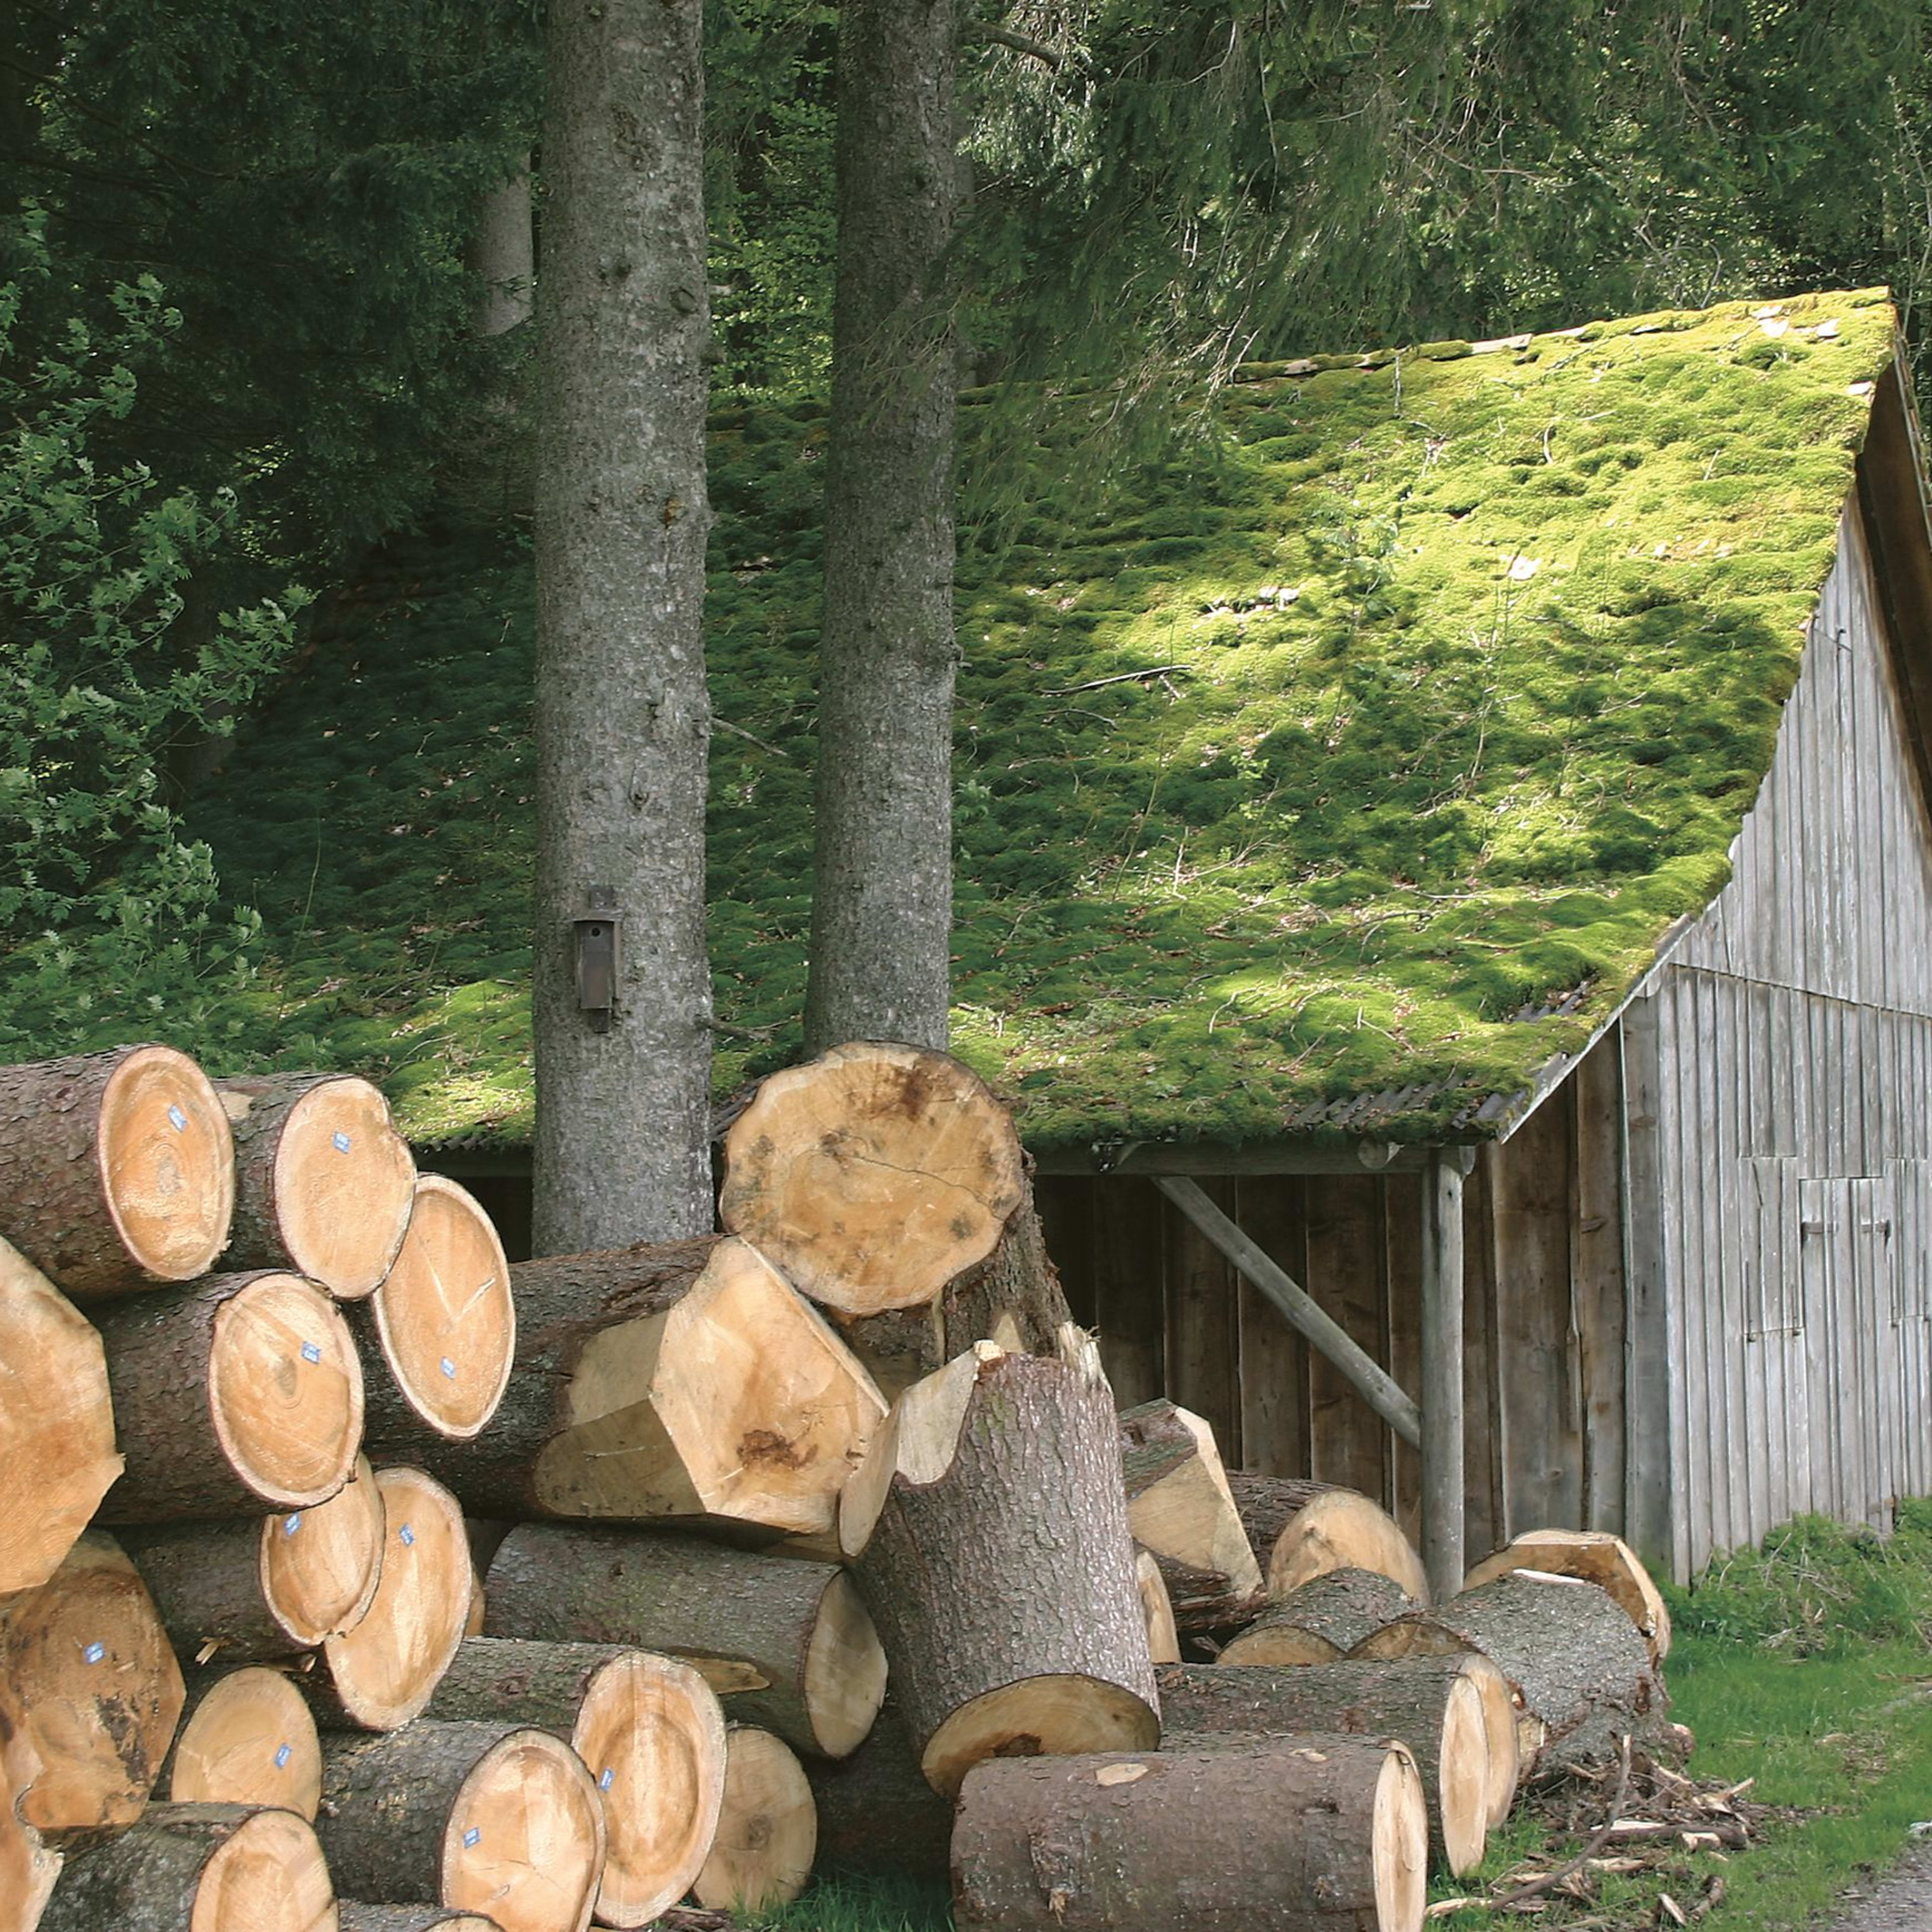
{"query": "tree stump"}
(478, 1819)
(1300, 1531)
(199, 1868)
(1179, 1506)
(266, 1589)
(93, 1688)
(682, 1379)
(786, 1644)
(1322, 1621)
(1430, 1703)
(876, 1814)
(247, 1739)
(1582, 1668)
(1315, 1834)
(1596, 1557)
(767, 1831)
(117, 1172)
(239, 1395)
(648, 1729)
(443, 1321)
(323, 1183)
(381, 1671)
(988, 1526)
(56, 1423)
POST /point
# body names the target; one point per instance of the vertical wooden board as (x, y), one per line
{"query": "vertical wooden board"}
(1652, 1514)
(1065, 1205)
(1345, 1259)
(1702, 1157)
(1203, 1335)
(1129, 1304)
(1272, 1209)
(1686, 1159)
(1597, 1280)
(1402, 1224)
(1483, 1526)
(1743, 1363)
(1543, 1469)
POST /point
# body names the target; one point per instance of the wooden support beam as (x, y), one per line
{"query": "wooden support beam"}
(1373, 1383)
(1443, 1482)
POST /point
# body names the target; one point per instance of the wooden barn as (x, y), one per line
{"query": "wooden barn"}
(1448, 858)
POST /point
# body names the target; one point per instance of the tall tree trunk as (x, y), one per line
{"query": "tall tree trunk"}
(623, 724)
(883, 877)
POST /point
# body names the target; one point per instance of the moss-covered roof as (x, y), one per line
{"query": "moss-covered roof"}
(1369, 754)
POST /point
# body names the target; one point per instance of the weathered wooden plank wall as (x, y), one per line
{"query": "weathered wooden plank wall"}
(1790, 1127)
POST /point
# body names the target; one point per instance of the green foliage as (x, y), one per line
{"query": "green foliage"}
(95, 558)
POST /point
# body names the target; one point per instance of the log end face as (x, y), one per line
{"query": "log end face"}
(1400, 1839)
(167, 1163)
(344, 1186)
(845, 1678)
(1342, 1529)
(270, 1872)
(525, 1840)
(768, 1832)
(250, 1741)
(1462, 1778)
(1063, 1715)
(319, 1566)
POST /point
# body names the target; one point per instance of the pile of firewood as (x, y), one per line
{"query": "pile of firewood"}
(345, 1558)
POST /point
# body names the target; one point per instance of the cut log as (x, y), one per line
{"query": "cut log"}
(381, 1671)
(323, 1183)
(648, 1728)
(876, 1814)
(988, 1526)
(786, 1644)
(1179, 1506)
(28, 1869)
(1157, 1610)
(1598, 1558)
(508, 1824)
(355, 1916)
(1322, 1621)
(247, 1739)
(1581, 1666)
(685, 1379)
(1321, 1529)
(117, 1173)
(268, 1587)
(199, 1868)
(56, 1423)
(767, 1832)
(443, 1323)
(1316, 1833)
(1430, 1703)
(239, 1395)
(85, 1668)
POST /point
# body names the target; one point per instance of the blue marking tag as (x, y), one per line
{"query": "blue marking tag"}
(282, 1757)
(94, 1652)
(177, 1120)
(449, 1368)
(472, 1837)
(341, 1141)
(406, 1535)
(604, 1783)
(310, 1353)
(290, 1524)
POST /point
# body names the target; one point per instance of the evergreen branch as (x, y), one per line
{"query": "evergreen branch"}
(1024, 44)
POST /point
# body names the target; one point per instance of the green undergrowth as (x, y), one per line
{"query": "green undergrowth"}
(852, 1904)
(1326, 757)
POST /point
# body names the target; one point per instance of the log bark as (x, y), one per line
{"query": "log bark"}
(381, 1671)
(1157, 1610)
(684, 1380)
(1430, 1703)
(442, 1324)
(988, 1526)
(1180, 1506)
(239, 1395)
(1598, 1558)
(785, 1644)
(1581, 1666)
(649, 1730)
(248, 1591)
(87, 1677)
(876, 1814)
(199, 1868)
(1322, 1621)
(767, 1831)
(56, 1423)
(1300, 1531)
(477, 1818)
(247, 1739)
(117, 1171)
(28, 1869)
(356, 1916)
(1311, 1833)
(323, 1183)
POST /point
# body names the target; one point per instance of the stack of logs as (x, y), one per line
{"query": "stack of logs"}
(346, 1557)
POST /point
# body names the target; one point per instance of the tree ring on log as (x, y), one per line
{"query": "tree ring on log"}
(319, 1566)
(270, 1872)
(525, 1830)
(445, 1316)
(1401, 1842)
(285, 1390)
(1500, 1717)
(249, 1740)
(768, 1831)
(1059, 1715)
(844, 1680)
(167, 1162)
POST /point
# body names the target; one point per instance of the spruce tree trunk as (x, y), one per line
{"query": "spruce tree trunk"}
(622, 721)
(883, 872)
